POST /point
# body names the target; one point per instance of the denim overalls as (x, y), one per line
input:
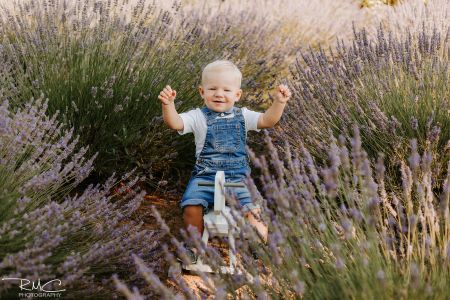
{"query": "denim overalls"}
(224, 149)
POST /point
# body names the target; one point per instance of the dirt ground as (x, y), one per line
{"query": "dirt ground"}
(168, 206)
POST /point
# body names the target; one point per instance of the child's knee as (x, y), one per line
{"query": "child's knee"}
(253, 212)
(193, 211)
(254, 215)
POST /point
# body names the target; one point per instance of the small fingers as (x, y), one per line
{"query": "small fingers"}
(168, 89)
(168, 92)
(287, 93)
(284, 90)
(163, 94)
(282, 87)
(165, 91)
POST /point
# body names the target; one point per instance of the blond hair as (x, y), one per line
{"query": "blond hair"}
(221, 65)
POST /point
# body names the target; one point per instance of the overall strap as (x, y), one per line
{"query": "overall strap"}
(209, 114)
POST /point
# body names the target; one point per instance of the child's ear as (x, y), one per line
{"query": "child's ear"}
(201, 90)
(238, 94)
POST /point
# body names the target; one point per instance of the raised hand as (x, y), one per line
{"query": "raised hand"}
(282, 93)
(167, 95)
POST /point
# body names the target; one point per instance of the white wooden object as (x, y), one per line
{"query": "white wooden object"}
(218, 222)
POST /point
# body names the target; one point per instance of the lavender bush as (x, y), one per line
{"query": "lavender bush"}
(394, 89)
(103, 70)
(47, 232)
(101, 63)
(322, 22)
(300, 23)
(336, 232)
(412, 15)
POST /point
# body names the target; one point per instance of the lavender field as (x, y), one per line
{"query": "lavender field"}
(354, 181)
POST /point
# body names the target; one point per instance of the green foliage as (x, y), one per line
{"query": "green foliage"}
(334, 231)
(104, 77)
(46, 233)
(394, 89)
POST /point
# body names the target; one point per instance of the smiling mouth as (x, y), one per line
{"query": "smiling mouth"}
(217, 101)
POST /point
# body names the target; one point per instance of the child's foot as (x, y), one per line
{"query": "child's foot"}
(191, 254)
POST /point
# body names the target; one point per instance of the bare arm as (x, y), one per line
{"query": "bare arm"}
(170, 114)
(274, 112)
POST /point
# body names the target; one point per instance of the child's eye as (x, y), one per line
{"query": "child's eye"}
(212, 89)
(227, 90)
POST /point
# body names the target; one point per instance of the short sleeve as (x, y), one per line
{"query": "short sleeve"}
(188, 122)
(251, 119)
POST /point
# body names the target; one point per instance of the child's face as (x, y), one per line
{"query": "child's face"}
(220, 90)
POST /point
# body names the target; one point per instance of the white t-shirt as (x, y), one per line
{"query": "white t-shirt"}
(195, 121)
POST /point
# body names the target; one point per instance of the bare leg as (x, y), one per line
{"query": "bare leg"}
(254, 218)
(193, 215)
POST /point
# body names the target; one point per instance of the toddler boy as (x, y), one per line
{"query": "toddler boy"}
(220, 131)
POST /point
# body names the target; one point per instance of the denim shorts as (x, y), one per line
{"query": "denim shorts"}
(204, 195)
